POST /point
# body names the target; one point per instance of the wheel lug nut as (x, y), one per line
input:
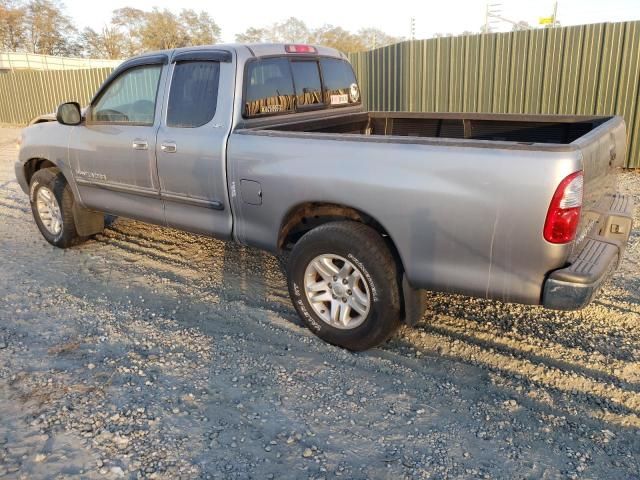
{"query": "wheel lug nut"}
(334, 297)
(344, 299)
(335, 279)
(345, 281)
(349, 292)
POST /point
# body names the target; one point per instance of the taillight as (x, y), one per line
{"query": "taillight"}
(300, 49)
(564, 212)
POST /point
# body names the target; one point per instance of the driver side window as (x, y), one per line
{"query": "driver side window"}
(130, 99)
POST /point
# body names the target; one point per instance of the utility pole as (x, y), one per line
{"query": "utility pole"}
(555, 13)
(492, 13)
(411, 62)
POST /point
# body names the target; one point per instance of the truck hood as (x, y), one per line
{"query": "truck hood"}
(47, 117)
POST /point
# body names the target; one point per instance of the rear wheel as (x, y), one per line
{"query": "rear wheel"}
(343, 281)
(52, 208)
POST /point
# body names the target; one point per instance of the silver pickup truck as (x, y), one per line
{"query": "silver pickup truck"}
(269, 146)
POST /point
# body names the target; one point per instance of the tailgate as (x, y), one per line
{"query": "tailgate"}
(605, 224)
(605, 213)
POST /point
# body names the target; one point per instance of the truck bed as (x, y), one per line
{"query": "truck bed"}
(524, 129)
(463, 196)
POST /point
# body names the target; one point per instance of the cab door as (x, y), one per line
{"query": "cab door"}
(192, 141)
(112, 153)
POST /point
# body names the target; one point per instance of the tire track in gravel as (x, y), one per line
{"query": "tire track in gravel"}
(14, 206)
(200, 262)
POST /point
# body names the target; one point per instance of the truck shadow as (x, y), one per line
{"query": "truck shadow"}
(460, 370)
(535, 344)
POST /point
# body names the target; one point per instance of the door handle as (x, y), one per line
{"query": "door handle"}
(169, 147)
(139, 144)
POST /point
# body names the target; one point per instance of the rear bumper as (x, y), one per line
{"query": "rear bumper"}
(575, 286)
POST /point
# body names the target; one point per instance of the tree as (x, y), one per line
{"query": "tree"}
(521, 25)
(133, 31)
(37, 26)
(129, 22)
(162, 30)
(113, 41)
(253, 35)
(109, 43)
(292, 30)
(374, 38)
(12, 33)
(200, 27)
(338, 38)
(48, 30)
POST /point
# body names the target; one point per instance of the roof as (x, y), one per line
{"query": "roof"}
(253, 49)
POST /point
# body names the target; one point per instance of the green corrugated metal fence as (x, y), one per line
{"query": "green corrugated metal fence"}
(586, 69)
(26, 94)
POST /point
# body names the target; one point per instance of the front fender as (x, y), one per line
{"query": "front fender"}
(45, 141)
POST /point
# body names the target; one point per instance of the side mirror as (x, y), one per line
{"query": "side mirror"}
(69, 113)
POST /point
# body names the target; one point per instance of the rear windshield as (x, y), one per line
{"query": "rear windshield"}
(306, 80)
(286, 85)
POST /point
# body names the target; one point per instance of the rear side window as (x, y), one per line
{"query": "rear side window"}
(194, 94)
(269, 87)
(306, 79)
(340, 86)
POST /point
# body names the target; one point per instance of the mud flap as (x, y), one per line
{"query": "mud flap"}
(414, 303)
(87, 221)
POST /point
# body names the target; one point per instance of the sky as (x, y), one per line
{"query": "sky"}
(431, 17)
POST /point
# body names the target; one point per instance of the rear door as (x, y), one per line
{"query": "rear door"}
(192, 140)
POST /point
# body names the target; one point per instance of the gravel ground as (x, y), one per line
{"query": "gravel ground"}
(151, 353)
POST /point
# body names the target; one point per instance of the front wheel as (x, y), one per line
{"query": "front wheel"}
(343, 281)
(52, 208)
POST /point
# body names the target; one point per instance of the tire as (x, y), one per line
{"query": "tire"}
(49, 190)
(345, 246)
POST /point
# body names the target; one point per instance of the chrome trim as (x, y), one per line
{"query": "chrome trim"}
(171, 197)
(169, 147)
(139, 144)
(196, 202)
(146, 192)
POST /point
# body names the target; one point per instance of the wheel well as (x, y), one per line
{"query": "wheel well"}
(307, 216)
(35, 164)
